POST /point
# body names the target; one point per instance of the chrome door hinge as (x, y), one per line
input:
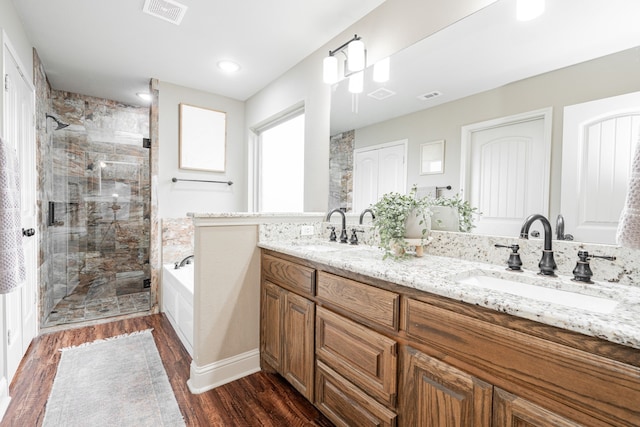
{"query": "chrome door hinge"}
(6, 82)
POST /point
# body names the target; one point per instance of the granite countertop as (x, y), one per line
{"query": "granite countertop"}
(438, 275)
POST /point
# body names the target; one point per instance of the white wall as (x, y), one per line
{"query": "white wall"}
(389, 28)
(176, 199)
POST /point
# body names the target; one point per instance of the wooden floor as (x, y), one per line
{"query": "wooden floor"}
(257, 400)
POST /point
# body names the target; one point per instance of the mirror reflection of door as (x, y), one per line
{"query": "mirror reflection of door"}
(378, 170)
(507, 173)
(598, 141)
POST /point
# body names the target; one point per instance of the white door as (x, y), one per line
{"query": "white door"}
(507, 173)
(20, 306)
(597, 149)
(378, 170)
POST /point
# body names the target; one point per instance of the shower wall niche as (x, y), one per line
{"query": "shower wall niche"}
(97, 210)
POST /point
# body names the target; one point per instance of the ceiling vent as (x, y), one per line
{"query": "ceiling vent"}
(429, 95)
(168, 10)
(381, 93)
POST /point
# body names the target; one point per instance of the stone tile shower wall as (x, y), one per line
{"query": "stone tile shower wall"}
(98, 205)
(45, 185)
(341, 170)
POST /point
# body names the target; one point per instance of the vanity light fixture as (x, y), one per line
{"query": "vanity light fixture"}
(526, 10)
(228, 66)
(355, 55)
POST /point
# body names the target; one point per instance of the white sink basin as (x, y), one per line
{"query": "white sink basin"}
(541, 293)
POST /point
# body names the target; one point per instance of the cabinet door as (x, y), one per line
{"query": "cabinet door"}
(271, 325)
(435, 394)
(513, 411)
(298, 342)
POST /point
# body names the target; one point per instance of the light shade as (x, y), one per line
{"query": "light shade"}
(381, 70)
(355, 55)
(527, 10)
(356, 82)
(330, 70)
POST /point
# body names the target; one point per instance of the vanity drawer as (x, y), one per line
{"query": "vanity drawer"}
(294, 277)
(364, 357)
(345, 405)
(366, 302)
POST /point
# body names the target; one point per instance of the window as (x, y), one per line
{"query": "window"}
(280, 176)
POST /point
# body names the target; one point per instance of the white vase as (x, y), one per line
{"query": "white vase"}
(414, 228)
(445, 218)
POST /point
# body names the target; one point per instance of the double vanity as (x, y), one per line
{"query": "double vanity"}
(451, 338)
(438, 341)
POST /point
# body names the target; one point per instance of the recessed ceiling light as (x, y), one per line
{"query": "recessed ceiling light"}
(228, 66)
(144, 96)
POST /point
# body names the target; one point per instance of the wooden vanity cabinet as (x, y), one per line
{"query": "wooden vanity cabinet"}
(550, 384)
(383, 355)
(287, 329)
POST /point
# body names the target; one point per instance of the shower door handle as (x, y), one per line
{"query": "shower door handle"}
(28, 232)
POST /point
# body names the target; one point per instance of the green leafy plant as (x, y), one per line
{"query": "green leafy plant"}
(392, 211)
(466, 212)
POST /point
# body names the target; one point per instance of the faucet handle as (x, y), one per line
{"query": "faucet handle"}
(332, 236)
(514, 263)
(582, 272)
(354, 237)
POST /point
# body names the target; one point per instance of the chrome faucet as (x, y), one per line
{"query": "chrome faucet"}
(184, 262)
(343, 233)
(373, 216)
(547, 264)
(560, 229)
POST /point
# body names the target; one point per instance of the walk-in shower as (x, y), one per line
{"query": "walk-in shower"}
(97, 198)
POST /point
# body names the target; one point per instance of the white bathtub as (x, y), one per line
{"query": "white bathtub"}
(177, 301)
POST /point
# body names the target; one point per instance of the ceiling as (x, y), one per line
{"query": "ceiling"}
(487, 50)
(111, 49)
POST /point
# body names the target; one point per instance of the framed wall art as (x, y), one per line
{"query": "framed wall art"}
(203, 139)
(432, 157)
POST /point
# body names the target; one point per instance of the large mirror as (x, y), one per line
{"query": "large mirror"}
(488, 66)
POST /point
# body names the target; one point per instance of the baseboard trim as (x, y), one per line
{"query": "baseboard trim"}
(204, 378)
(4, 397)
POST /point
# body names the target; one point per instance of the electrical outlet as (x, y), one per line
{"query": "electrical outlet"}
(306, 230)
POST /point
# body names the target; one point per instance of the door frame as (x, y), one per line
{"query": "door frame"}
(546, 114)
(5, 305)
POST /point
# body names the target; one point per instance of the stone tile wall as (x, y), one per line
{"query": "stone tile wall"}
(45, 185)
(341, 170)
(177, 239)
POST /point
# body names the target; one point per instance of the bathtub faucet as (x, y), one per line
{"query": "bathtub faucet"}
(187, 260)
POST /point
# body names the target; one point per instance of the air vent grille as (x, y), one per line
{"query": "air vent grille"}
(381, 93)
(429, 95)
(168, 10)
